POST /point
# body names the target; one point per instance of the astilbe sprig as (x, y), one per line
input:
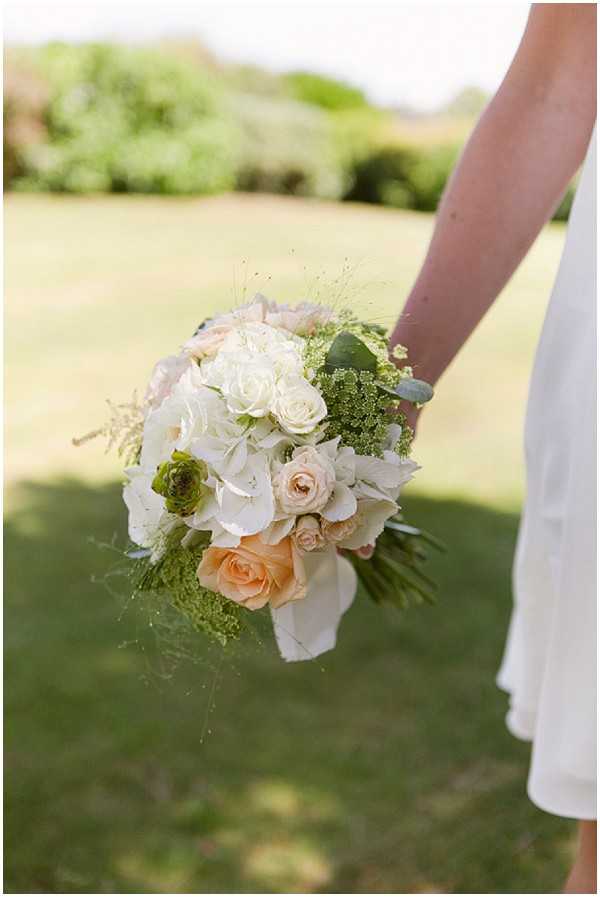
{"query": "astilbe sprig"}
(123, 430)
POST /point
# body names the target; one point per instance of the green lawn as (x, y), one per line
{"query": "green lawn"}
(383, 767)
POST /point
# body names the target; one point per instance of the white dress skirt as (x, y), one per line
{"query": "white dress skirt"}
(549, 666)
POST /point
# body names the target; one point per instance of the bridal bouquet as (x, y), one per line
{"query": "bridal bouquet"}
(265, 469)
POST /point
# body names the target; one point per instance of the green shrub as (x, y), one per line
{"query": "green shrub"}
(199, 160)
(125, 119)
(402, 176)
(286, 147)
(384, 177)
(328, 93)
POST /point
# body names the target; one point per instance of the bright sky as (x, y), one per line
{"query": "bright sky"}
(420, 54)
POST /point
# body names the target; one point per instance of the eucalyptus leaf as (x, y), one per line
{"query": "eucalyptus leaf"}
(416, 391)
(388, 391)
(347, 351)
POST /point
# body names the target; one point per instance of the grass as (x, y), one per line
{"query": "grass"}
(385, 767)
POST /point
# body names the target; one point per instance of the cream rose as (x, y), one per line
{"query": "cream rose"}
(338, 530)
(165, 375)
(307, 535)
(207, 341)
(305, 483)
(299, 407)
(254, 574)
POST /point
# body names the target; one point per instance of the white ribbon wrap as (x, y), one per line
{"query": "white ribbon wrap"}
(308, 627)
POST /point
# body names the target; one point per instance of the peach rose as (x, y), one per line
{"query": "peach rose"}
(338, 530)
(307, 536)
(305, 483)
(207, 343)
(254, 574)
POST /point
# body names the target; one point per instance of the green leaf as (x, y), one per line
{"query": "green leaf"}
(416, 391)
(348, 351)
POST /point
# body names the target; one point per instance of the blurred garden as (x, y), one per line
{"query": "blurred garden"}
(172, 119)
(383, 767)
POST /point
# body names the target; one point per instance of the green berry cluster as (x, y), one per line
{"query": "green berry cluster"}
(357, 409)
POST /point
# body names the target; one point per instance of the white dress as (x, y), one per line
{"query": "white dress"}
(549, 666)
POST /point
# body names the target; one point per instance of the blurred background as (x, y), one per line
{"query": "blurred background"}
(162, 162)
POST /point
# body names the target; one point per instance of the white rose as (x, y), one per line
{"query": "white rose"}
(249, 388)
(299, 407)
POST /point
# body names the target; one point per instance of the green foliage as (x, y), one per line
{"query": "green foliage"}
(328, 93)
(286, 147)
(129, 120)
(348, 351)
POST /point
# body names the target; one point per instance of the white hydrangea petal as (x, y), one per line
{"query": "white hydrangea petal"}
(221, 538)
(246, 503)
(365, 490)
(277, 531)
(204, 514)
(341, 504)
(253, 480)
(148, 521)
(227, 458)
(245, 515)
(384, 474)
(373, 515)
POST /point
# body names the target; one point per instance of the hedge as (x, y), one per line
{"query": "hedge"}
(102, 117)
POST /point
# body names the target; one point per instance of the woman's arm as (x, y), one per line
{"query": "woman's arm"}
(516, 166)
